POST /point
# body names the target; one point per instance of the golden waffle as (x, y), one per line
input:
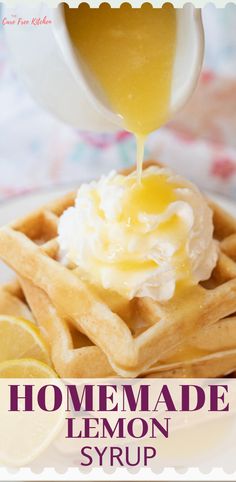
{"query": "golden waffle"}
(72, 356)
(30, 247)
(209, 353)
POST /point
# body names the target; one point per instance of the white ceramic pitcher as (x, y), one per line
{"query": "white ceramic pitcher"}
(45, 58)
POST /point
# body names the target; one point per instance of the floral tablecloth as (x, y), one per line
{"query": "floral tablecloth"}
(37, 150)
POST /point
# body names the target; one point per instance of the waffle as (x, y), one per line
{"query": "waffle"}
(132, 345)
(209, 353)
(72, 353)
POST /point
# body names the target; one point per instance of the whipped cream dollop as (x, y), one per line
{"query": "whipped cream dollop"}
(140, 239)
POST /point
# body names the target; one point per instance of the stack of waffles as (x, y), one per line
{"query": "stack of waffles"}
(191, 335)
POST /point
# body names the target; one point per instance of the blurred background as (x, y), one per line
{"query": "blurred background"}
(37, 150)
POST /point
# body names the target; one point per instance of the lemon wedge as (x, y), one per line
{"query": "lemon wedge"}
(26, 368)
(27, 434)
(19, 338)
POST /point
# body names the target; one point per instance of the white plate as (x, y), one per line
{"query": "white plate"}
(22, 205)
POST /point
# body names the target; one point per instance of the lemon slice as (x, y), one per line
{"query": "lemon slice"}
(27, 434)
(25, 368)
(19, 338)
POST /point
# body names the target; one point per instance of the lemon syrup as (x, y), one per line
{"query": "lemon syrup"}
(130, 53)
